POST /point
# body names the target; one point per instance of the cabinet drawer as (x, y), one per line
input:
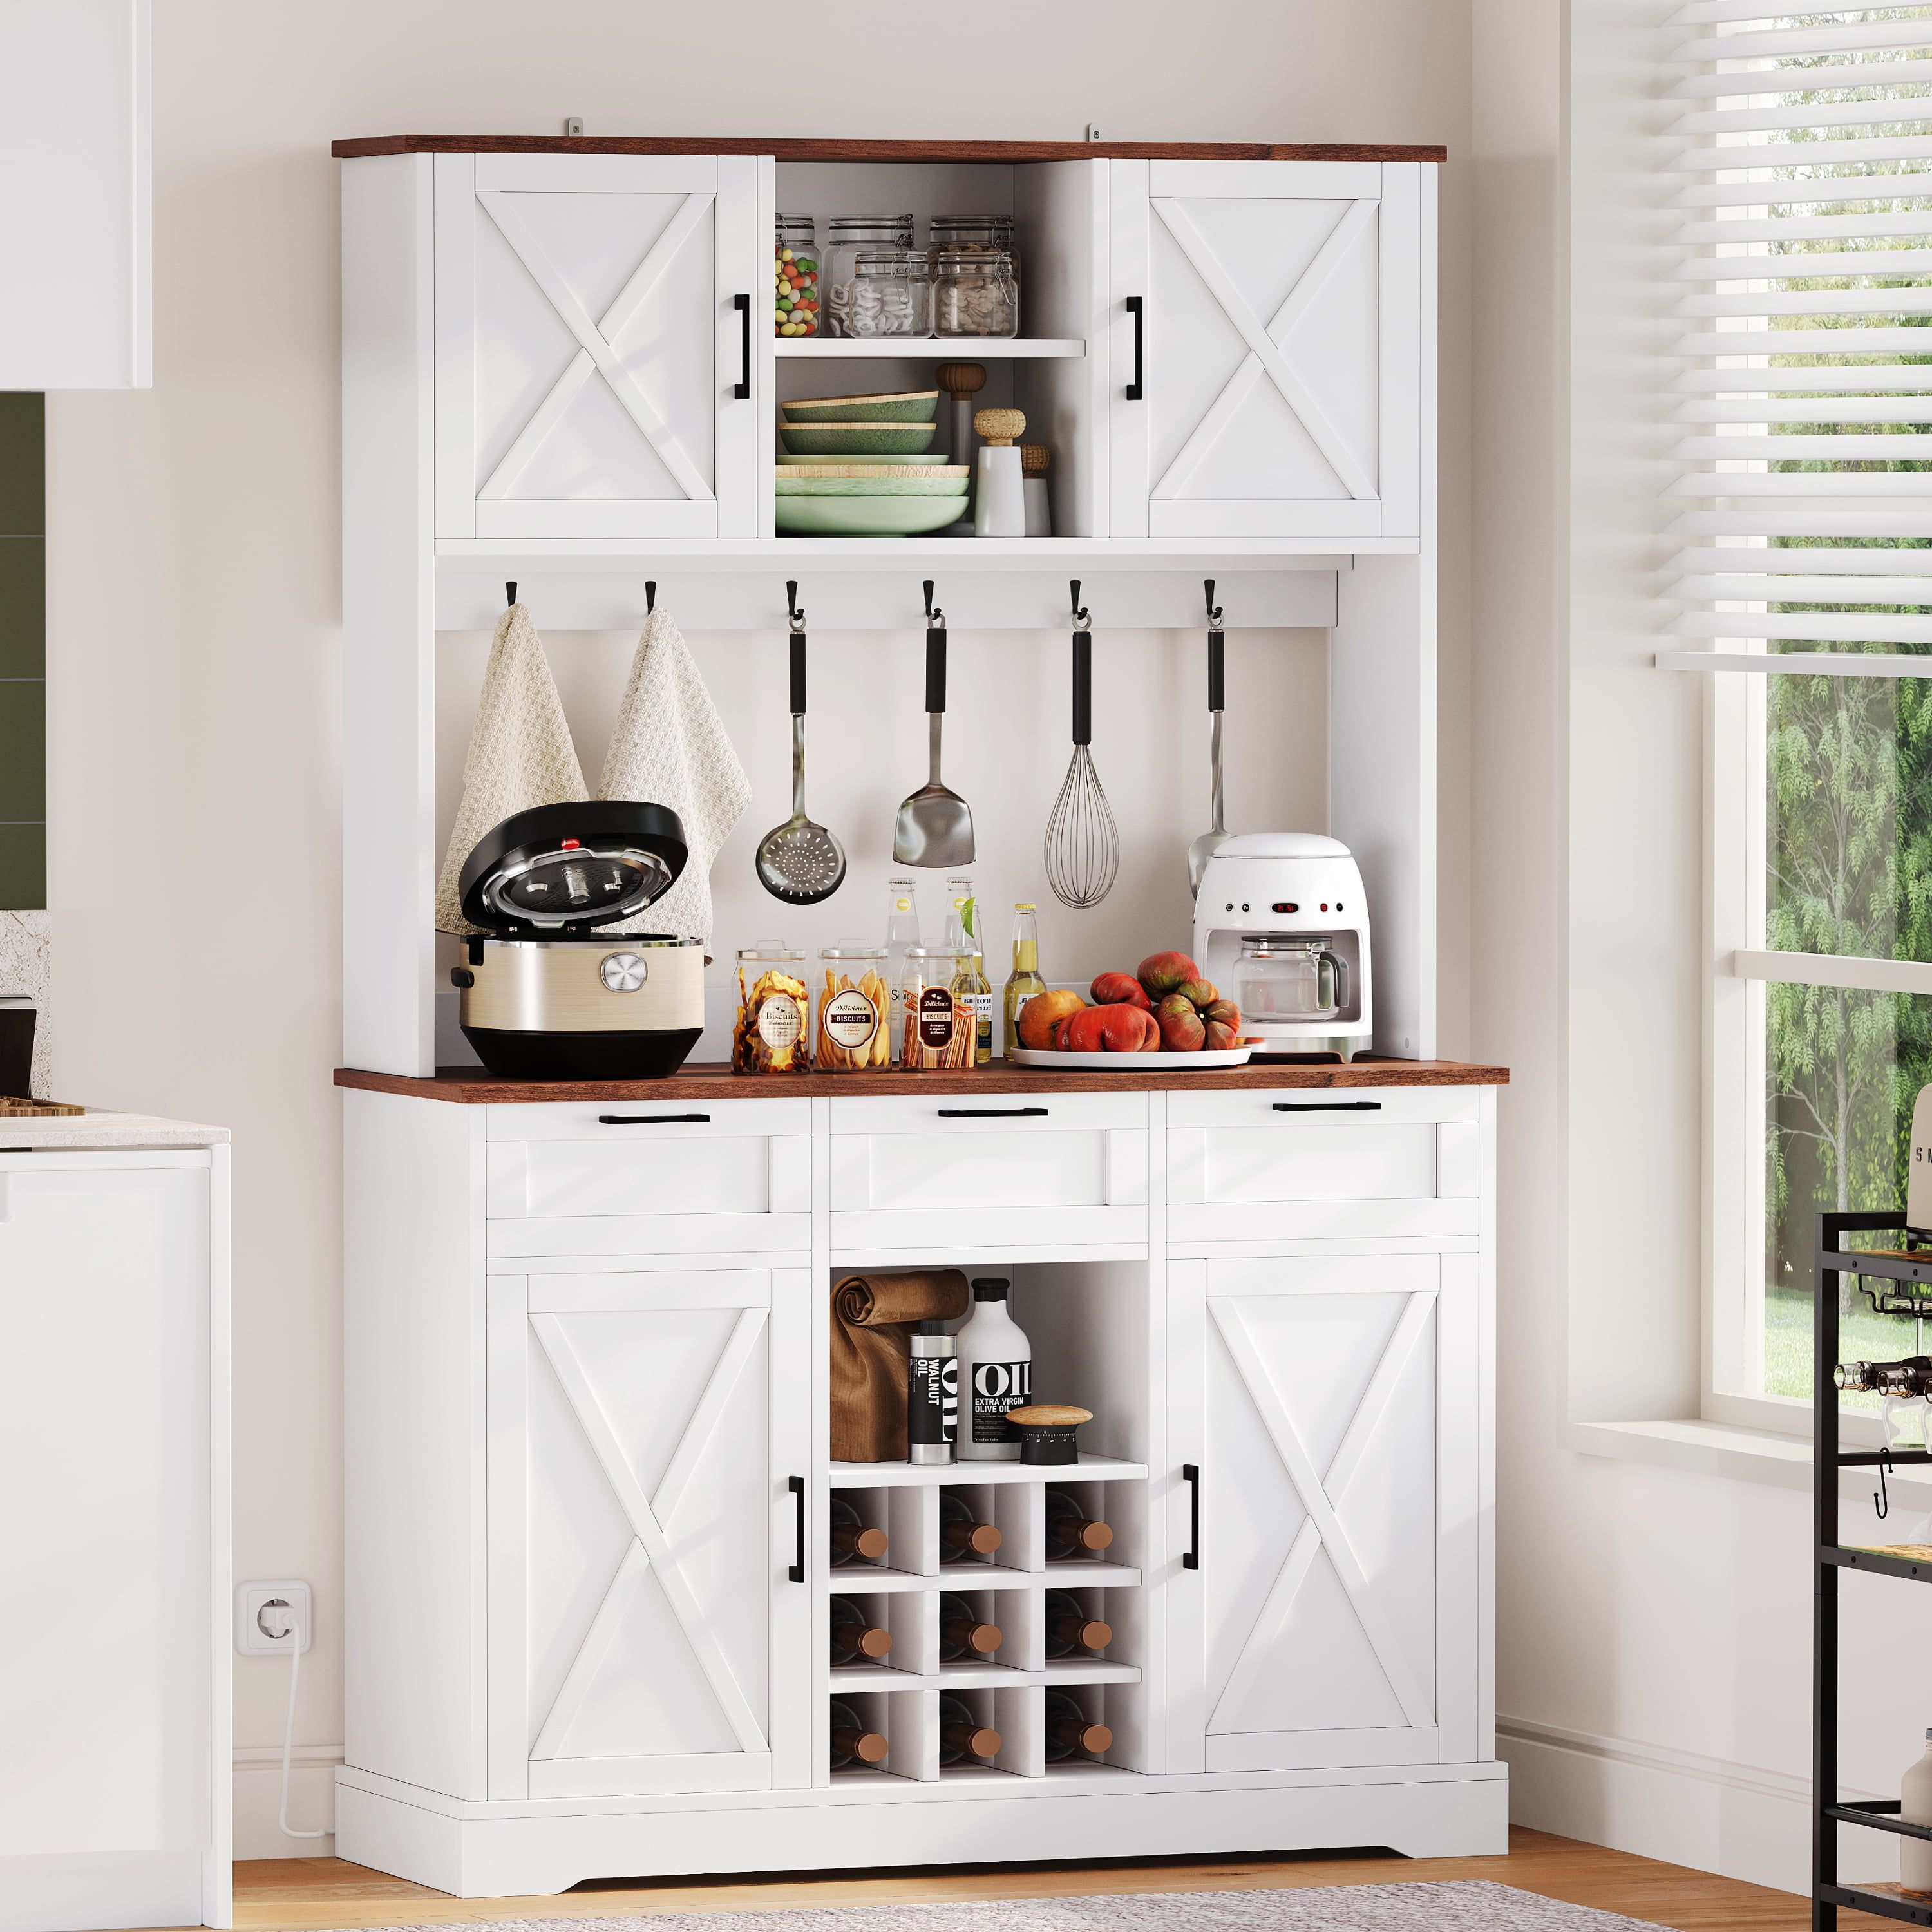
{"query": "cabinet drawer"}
(1002, 1167)
(1244, 1166)
(632, 1178)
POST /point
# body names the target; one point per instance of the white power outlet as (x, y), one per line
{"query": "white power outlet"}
(272, 1619)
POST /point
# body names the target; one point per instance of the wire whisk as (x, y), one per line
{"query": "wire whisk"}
(1082, 847)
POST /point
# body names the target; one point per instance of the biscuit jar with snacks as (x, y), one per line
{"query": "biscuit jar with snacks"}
(939, 1027)
(853, 1031)
(770, 1034)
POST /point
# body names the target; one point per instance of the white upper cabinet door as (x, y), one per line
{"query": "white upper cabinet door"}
(1266, 344)
(75, 201)
(1326, 1407)
(644, 1634)
(599, 369)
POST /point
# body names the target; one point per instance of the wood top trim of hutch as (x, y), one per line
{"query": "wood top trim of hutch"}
(789, 148)
(713, 1081)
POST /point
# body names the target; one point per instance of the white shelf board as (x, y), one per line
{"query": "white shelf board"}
(869, 1579)
(903, 1475)
(1808, 664)
(881, 1679)
(939, 348)
(861, 1580)
(1090, 1670)
(457, 556)
(1090, 1577)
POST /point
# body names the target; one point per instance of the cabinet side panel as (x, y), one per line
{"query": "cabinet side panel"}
(414, 1476)
(388, 617)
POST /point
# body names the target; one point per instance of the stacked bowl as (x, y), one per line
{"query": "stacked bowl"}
(864, 467)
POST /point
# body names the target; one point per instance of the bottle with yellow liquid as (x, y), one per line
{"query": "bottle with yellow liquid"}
(971, 989)
(1024, 981)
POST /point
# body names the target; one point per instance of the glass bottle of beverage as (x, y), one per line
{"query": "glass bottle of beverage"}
(1024, 981)
(851, 1540)
(902, 932)
(1911, 1377)
(1070, 1531)
(961, 1736)
(1069, 1628)
(970, 986)
(1069, 1732)
(960, 1532)
(856, 1639)
(853, 1746)
(961, 1634)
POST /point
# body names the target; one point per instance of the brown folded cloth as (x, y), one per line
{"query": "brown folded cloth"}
(871, 1316)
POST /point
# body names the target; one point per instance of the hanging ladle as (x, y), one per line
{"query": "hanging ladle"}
(799, 862)
(935, 824)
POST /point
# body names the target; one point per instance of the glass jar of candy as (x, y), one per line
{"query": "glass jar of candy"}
(891, 293)
(795, 297)
(848, 236)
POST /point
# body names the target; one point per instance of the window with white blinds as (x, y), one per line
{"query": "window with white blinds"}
(1804, 291)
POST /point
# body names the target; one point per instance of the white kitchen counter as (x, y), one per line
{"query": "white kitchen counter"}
(101, 1127)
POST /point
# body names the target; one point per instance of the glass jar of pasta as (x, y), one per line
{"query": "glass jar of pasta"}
(770, 1033)
(939, 1032)
(853, 1034)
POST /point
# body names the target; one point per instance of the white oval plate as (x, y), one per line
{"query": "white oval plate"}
(1094, 1062)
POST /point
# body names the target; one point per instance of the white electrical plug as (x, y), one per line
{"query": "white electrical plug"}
(273, 1619)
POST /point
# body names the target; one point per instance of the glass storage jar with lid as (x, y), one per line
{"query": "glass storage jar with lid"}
(770, 1033)
(796, 311)
(847, 237)
(1291, 977)
(981, 233)
(891, 293)
(854, 1030)
(974, 293)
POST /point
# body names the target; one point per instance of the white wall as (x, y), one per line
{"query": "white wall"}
(193, 609)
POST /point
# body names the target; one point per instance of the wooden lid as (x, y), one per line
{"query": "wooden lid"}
(1094, 1535)
(874, 1642)
(985, 1638)
(1036, 458)
(982, 1741)
(961, 378)
(1095, 1738)
(1000, 427)
(1048, 1415)
(871, 1542)
(869, 1747)
(1094, 1635)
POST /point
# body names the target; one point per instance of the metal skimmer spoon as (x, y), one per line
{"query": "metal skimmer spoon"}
(799, 862)
(935, 824)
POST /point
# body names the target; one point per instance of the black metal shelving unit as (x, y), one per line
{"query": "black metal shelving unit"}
(1912, 1295)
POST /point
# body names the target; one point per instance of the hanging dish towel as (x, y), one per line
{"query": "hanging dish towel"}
(669, 748)
(872, 1315)
(520, 753)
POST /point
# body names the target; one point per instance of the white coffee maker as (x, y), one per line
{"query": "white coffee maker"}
(1281, 926)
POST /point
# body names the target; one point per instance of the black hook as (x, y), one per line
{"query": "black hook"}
(1882, 1496)
(509, 595)
(1082, 615)
(796, 615)
(1213, 609)
(650, 595)
(930, 612)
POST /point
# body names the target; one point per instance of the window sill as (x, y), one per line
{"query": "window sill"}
(1744, 1455)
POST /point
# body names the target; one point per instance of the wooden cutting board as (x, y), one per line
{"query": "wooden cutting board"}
(13, 1107)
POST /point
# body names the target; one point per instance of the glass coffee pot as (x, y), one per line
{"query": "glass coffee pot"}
(1291, 977)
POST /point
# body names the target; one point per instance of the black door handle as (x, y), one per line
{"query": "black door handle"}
(1190, 1475)
(797, 1485)
(992, 1113)
(1135, 309)
(1328, 1106)
(741, 388)
(653, 1120)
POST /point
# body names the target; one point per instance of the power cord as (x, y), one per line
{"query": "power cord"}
(271, 1613)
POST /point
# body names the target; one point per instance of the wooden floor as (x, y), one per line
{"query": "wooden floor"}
(316, 1894)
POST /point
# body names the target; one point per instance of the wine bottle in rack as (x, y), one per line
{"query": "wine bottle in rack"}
(1069, 1628)
(960, 1736)
(851, 1540)
(853, 1747)
(856, 1639)
(1070, 1733)
(1911, 1377)
(961, 1634)
(1070, 1531)
(960, 1532)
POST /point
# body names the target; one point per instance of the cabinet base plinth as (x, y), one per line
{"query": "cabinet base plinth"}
(498, 1850)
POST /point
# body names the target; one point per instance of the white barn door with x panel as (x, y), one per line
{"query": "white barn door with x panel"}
(1267, 337)
(598, 371)
(1327, 1407)
(644, 1636)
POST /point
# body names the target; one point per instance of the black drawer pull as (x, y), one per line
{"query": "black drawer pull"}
(1136, 307)
(653, 1120)
(742, 388)
(796, 1574)
(1328, 1106)
(992, 1113)
(1190, 1475)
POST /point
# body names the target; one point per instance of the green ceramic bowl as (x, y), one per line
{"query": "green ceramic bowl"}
(932, 456)
(909, 405)
(865, 516)
(841, 439)
(871, 486)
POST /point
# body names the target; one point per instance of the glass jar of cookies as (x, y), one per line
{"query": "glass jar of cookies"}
(853, 1032)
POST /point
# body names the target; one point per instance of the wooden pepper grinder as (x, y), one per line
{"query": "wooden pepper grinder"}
(961, 381)
(999, 502)
(1036, 459)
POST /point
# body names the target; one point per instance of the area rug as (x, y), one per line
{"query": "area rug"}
(1473, 1906)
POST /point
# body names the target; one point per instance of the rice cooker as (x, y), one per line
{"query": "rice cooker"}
(546, 995)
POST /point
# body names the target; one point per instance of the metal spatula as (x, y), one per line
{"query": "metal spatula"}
(799, 862)
(935, 824)
(1204, 847)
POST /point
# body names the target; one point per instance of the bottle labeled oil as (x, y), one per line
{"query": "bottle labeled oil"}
(853, 1746)
(1070, 1531)
(962, 1635)
(851, 1541)
(856, 1639)
(995, 1374)
(1070, 1631)
(1070, 1733)
(961, 1735)
(932, 1394)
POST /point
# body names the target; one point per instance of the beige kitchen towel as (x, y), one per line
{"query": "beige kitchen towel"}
(669, 748)
(520, 753)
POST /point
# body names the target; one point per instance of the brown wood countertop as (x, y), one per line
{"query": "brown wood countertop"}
(713, 1081)
(789, 148)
